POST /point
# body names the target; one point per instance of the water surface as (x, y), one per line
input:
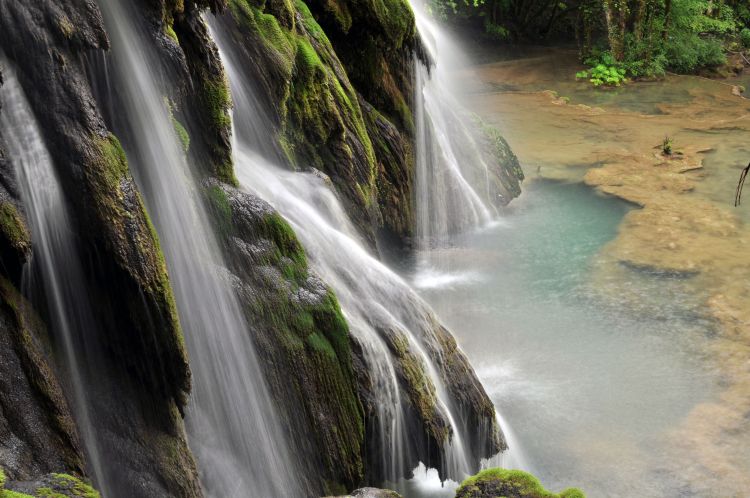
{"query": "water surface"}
(589, 378)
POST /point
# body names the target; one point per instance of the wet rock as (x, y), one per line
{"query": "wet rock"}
(317, 121)
(37, 432)
(52, 485)
(138, 373)
(301, 337)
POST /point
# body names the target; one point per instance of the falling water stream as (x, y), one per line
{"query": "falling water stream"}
(449, 196)
(56, 259)
(232, 427)
(371, 296)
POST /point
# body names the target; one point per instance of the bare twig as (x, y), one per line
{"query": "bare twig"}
(738, 194)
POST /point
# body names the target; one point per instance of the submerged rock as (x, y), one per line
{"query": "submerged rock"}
(494, 483)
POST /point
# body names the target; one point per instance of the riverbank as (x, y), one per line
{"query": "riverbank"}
(685, 236)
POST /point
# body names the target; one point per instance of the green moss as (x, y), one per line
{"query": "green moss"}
(58, 486)
(307, 60)
(217, 101)
(420, 388)
(219, 204)
(48, 493)
(15, 494)
(77, 487)
(13, 227)
(311, 25)
(276, 228)
(182, 134)
(497, 482)
(320, 344)
(169, 31)
(179, 129)
(267, 27)
(340, 12)
(396, 18)
(115, 162)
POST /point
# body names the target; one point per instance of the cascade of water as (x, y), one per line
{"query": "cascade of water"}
(231, 423)
(451, 196)
(452, 179)
(55, 259)
(374, 300)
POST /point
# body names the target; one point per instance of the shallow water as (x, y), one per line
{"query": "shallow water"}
(590, 379)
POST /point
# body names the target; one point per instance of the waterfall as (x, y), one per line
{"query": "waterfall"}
(56, 259)
(452, 178)
(374, 300)
(232, 427)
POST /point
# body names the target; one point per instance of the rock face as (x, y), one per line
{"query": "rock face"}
(308, 97)
(37, 432)
(301, 335)
(139, 376)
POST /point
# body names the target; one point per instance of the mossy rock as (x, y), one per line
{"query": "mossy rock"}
(300, 333)
(49, 486)
(497, 482)
(13, 228)
(15, 240)
(315, 111)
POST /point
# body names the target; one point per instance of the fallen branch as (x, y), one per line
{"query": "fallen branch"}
(738, 194)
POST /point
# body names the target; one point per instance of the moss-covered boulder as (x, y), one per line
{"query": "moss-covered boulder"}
(301, 336)
(495, 483)
(50, 486)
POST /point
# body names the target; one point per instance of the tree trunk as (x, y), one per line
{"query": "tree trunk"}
(667, 19)
(615, 13)
(640, 15)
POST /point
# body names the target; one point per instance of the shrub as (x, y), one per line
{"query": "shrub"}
(688, 52)
(745, 37)
(603, 75)
(495, 31)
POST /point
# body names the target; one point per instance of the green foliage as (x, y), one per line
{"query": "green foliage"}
(684, 36)
(607, 75)
(509, 483)
(666, 146)
(605, 71)
(688, 52)
(495, 31)
(745, 37)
